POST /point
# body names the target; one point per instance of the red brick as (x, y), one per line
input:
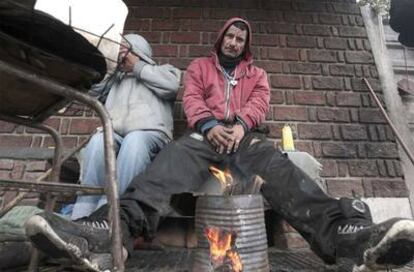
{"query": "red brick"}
(185, 37)
(64, 127)
(339, 150)
(305, 68)
(342, 70)
(277, 5)
(270, 66)
(316, 30)
(329, 19)
(389, 188)
(322, 56)
(265, 40)
(6, 127)
(149, 12)
(14, 141)
(345, 187)
(276, 97)
(346, 8)
(260, 15)
(284, 113)
(327, 83)
(309, 98)
(314, 131)
(301, 42)
(354, 132)
(359, 84)
(348, 99)
(68, 142)
(199, 51)
(219, 13)
(335, 43)
(171, 25)
(33, 166)
(6, 164)
(187, 13)
(298, 17)
(285, 81)
(363, 168)
(283, 54)
(84, 125)
(352, 32)
(278, 28)
(18, 169)
(382, 150)
(165, 50)
(136, 24)
(52, 122)
(31, 176)
(275, 129)
(201, 25)
(359, 57)
(333, 115)
(181, 63)
(371, 116)
(151, 36)
(329, 168)
(4, 175)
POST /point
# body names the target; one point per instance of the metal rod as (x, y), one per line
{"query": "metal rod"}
(51, 186)
(52, 86)
(384, 113)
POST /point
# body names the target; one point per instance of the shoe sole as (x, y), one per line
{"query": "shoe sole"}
(47, 240)
(394, 250)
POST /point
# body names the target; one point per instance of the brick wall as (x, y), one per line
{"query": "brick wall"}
(315, 53)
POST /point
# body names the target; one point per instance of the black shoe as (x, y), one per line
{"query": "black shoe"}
(376, 247)
(59, 238)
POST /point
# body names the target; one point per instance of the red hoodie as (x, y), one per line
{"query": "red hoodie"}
(206, 88)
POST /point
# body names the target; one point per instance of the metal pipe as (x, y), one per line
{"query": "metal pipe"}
(54, 87)
(384, 113)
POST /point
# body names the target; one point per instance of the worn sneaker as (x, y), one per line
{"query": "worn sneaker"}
(376, 247)
(59, 238)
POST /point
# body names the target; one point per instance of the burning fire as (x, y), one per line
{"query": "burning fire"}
(221, 248)
(225, 178)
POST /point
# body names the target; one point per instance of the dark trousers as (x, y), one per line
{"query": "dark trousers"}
(182, 166)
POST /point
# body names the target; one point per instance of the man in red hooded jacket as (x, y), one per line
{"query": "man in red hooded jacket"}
(226, 98)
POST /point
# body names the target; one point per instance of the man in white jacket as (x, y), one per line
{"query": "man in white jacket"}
(140, 99)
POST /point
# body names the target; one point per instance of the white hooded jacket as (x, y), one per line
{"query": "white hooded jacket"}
(144, 98)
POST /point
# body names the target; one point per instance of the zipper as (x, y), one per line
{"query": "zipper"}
(228, 94)
(227, 107)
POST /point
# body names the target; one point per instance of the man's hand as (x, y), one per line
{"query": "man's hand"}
(127, 58)
(238, 134)
(128, 62)
(220, 137)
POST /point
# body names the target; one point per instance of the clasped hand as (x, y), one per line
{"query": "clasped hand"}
(226, 139)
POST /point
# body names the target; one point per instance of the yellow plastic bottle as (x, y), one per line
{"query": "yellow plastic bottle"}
(287, 139)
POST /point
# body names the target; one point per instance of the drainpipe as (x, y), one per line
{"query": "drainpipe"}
(395, 107)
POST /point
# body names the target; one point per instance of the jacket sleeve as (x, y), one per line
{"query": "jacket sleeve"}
(163, 80)
(255, 110)
(195, 107)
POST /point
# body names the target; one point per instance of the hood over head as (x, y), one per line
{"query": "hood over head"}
(247, 53)
(141, 47)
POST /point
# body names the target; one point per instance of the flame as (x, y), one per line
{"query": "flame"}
(225, 178)
(220, 248)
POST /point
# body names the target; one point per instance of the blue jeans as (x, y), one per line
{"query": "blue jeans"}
(134, 152)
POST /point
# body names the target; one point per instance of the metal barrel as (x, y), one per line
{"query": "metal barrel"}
(240, 214)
